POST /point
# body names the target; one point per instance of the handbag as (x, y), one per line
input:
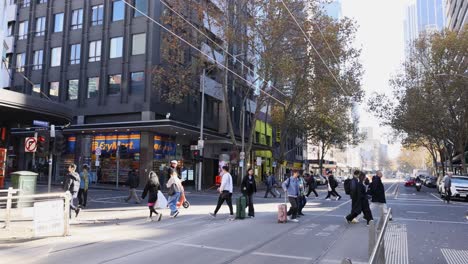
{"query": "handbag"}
(171, 190)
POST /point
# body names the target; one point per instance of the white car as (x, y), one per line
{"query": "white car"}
(459, 187)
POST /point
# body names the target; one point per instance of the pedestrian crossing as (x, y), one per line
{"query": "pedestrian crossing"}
(453, 256)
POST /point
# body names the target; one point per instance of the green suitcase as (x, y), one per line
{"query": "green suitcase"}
(241, 204)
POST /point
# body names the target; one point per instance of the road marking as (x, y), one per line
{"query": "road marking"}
(323, 234)
(430, 221)
(453, 256)
(280, 256)
(337, 261)
(207, 247)
(416, 212)
(438, 198)
(396, 244)
(331, 228)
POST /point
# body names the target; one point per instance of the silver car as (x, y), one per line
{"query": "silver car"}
(459, 187)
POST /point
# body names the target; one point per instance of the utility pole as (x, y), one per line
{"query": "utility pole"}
(51, 156)
(202, 111)
(117, 154)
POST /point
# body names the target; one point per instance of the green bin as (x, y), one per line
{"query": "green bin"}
(25, 182)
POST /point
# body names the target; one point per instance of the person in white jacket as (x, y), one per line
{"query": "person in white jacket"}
(175, 190)
(225, 192)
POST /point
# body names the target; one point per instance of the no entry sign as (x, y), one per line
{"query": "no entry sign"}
(30, 144)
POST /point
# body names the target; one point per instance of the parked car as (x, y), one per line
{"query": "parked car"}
(459, 187)
(431, 182)
(321, 180)
(410, 182)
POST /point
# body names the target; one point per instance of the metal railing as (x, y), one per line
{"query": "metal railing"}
(377, 243)
(12, 198)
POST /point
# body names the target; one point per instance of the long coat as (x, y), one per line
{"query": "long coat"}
(377, 191)
(248, 188)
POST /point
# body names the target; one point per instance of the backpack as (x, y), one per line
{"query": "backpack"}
(347, 186)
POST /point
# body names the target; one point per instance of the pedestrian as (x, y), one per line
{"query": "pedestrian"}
(312, 183)
(377, 191)
(175, 190)
(249, 187)
(332, 184)
(363, 196)
(72, 184)
(225, 192)
(448, 186)
(152, 187)
(355, 198)
(84, 184)
(301, 199)
(291, 188)
(270, 185)
(133, 180)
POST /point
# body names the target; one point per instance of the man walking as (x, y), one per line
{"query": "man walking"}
(355, 198)
(377, 191)
(312, 183)
(270, 185)
(332, 184)
(448, 186)
(133, 181)
(225, 192)
(291, 188)
(72, 184)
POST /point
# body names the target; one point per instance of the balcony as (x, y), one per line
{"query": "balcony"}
(213, 25)
(10, 12)
(212, 88)
(219, 4)
(218, 57)
(9, 42)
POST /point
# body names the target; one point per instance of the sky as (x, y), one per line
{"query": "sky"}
(380, 35)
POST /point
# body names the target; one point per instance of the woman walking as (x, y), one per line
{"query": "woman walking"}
(364, 201)
(84, 184)
(151, 188)
(249, 187)
(175, 189)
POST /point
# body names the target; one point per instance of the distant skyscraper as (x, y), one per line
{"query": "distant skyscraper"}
(333, 9)
(457, 14)
(423, 16)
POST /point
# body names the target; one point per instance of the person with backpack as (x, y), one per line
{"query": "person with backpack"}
(71, 183)
(377, 191)
(151, 188)
(270, 185)
(354, 193)
(175, 187)
(312, 183)
(332, 184)
(301, 199)
(291, 188)
(249, 187)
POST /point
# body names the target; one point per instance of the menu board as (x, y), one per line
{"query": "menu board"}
(3, 155)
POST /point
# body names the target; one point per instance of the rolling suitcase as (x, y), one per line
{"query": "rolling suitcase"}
(283, 212)
(241, 204)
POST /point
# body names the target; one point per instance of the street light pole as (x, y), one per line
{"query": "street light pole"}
(200, 164)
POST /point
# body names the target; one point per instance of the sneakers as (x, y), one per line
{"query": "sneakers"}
(338, 198)
(175, 214)
(149, 219)
(77, 211)
(294, 220)
(231, 218)
(328, 199)
(368, 222)
(213, 215)
(354, 221)
(347, 221)
(301, 214)
(159, 217)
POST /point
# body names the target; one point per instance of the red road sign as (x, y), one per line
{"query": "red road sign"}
(30, 144)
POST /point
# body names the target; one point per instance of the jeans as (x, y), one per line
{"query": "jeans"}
(72, 202)
(269, 190)
(172, 202)
(132, 194)
(250, 204)
(448, 194)
(224, 196)
(294, 207)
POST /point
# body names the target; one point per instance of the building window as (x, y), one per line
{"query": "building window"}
(40, 26)
(93, 87)
(25, 3)
(20, 62)
(141, 5)
(54, 89)
(118, 10)
(37, 88)
(58, 22)
(11, 28)
(23, 30)
(72, 91)
(98, 15)
(138, 44)
(116, 47)
(137, 82)
(95, 51)
(56, 57)
(41, 1)
(114, 84)
(75, 51)
(38, 59)
(77, 19)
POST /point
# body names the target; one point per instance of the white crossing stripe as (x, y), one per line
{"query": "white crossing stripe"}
(453, 256)
(281, 256)
(396, 244)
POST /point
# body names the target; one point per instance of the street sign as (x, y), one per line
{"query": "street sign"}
(52, 131)
(97, 164)
(201, 144)
(242, 155)
(274, 164)
(241, 164)
(30, 144)
(49, 218)
(259, 161)
(98, 151)
(40, 123)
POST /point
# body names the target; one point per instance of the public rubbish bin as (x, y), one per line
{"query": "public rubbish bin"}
(25, 182)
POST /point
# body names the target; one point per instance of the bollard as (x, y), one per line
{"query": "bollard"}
(66, 215)
(346, 261)
(8, 208)
(372, 232)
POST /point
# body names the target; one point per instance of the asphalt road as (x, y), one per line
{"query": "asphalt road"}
(423, 230)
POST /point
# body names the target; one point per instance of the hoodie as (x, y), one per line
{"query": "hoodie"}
(72, 182)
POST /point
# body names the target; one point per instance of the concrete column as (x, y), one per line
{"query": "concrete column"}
(146, 156)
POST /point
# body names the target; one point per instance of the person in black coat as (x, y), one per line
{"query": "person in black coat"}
(133, 181)
(363, 197)
(377, 191)
(151, 188)
(332, 184)
(356, 206)
(71, 183)
(249, 187)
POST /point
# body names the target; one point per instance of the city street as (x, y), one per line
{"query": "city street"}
(424, 230)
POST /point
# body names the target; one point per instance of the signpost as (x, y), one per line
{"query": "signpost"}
(40, 123)
(49, 218)
(30, 144)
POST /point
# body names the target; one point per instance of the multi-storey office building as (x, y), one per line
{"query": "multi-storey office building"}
(97, 57)
(457, 14)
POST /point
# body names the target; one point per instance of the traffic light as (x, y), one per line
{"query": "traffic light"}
(41, 144)
(196, 155)
(59, 145)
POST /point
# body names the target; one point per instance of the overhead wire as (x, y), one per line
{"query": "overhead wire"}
(218, 45)
(313, 47)
(199, 50)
